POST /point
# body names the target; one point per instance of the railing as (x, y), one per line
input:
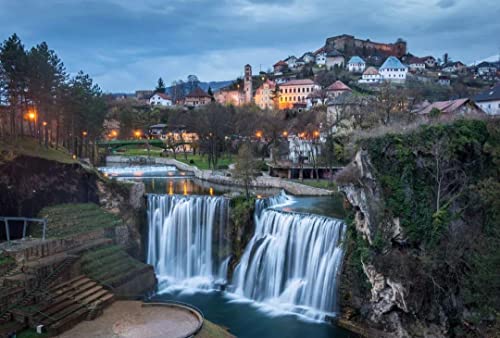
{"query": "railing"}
(25, 221)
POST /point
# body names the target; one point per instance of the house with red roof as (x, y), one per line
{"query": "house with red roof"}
(462, 107)
(280, 67)
(337, 88)
(198, 97)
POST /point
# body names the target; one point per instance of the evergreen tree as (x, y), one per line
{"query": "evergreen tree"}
(210, 92)
(160, 87)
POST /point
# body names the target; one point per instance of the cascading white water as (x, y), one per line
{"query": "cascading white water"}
(184, 231)
(292, 261)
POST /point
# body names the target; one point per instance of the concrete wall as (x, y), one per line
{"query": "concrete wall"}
(216, 177)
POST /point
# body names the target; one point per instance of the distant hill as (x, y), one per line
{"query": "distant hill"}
(492, 59)
(215, 85)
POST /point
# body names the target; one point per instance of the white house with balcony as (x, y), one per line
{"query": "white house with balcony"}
(356, 65)
(393, 70)
(160, 99)
(321, 58)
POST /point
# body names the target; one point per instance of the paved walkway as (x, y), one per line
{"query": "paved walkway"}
(130, 319)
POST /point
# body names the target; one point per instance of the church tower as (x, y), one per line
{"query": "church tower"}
(248, 84)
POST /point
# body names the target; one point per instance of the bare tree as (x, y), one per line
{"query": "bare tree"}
(246, 167)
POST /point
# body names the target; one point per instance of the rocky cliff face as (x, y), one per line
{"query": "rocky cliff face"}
(384, 303)
(419, 255)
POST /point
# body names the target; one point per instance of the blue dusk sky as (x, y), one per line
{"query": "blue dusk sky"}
(127, 44)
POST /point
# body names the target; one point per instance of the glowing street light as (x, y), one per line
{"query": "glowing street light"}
(137, 133)
(44, 123)
(258, 134)
(84, 133)
(32, 116)
(316, 133)
(285, 134)
(114, 133)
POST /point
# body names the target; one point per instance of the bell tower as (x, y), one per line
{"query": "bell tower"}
(248, 84)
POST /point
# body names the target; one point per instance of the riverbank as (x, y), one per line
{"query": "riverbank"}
(218, 177)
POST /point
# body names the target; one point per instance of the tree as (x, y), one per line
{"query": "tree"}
(13, 77)
(160, 87)
(246, 167)
(211, 93)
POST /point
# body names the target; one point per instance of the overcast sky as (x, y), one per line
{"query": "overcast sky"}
(127, 44)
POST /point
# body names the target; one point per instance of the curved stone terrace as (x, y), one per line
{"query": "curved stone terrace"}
(138, 319)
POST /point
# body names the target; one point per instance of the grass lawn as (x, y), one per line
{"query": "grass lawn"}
(202, 161)
(322, 184)
(69, 219)
(9, 148)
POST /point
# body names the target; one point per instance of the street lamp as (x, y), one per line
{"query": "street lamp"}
(137, 133)
(44, 123)
(258, 134)
(285, 134)
(316, 133)
(84, 133)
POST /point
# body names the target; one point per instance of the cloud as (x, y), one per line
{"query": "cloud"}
(446, 3)
(128, 44)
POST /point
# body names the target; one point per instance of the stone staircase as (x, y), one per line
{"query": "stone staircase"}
(68, 303)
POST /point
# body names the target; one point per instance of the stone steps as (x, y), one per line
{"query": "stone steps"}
(69, 303)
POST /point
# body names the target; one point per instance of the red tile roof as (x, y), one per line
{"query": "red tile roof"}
(338, 86)
(198, 92)
(371, 71)
(301, 82)
(447, 107)
(163, 96)
(280, 63)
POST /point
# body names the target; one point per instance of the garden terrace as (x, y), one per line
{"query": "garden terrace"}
(71, 219)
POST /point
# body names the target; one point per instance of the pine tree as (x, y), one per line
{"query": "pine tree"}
(160, 87)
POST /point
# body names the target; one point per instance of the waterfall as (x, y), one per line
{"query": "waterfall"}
(292, 261)
(187, 238)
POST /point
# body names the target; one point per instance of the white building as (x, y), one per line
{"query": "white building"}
(371, 75)
(356, 65)
(308, 57)
(393, 70)
(416, 64)
(321, 58)
(295, 92)
(160, 99)
(291, 61)
(489, 101)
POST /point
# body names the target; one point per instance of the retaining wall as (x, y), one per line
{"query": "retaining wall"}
(219, 178)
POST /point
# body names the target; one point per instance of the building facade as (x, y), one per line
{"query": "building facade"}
(356, 65)
(198, 97)
(265, 94)
(296, 92)
(160, 99)
(489, 100)
(371, 76)
(393, 70)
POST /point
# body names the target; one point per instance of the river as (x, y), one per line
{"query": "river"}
(291, 300)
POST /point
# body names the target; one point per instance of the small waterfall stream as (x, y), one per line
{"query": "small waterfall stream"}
(292, 261)
(186, 238)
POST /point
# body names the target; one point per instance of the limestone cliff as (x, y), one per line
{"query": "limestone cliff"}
(421, 204)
